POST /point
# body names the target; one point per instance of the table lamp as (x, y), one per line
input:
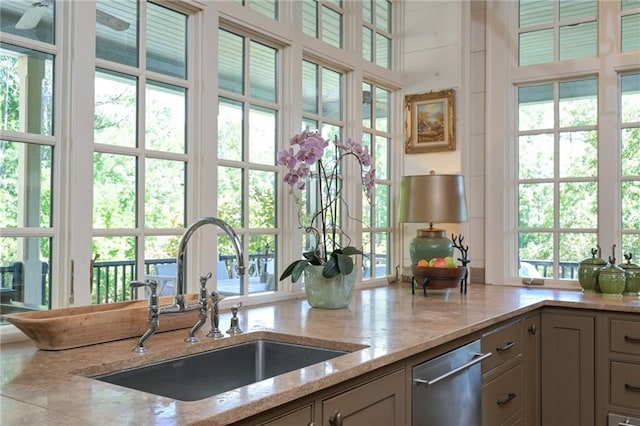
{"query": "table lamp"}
(428, 199)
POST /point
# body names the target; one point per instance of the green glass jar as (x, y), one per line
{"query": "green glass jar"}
(632, 276)
(611, 280)
(588, 272)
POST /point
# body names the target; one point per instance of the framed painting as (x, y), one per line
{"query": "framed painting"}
(430, 122)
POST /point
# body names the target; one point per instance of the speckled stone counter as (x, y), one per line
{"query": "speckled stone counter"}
(53, 387)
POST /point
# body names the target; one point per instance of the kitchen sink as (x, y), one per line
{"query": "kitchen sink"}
(202, 375)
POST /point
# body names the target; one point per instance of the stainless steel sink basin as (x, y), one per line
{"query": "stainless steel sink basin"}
(199, 376)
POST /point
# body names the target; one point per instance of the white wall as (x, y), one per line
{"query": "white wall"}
(444, 49)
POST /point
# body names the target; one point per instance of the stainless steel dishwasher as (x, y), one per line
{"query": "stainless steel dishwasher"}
(446, 389)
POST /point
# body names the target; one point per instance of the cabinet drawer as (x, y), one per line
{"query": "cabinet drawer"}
(504, 343)
(625, 336)
(379, 402)
(502, 398)
(625, 384)
(301, 416)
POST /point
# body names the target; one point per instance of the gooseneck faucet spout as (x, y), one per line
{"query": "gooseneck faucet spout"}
(182, 247)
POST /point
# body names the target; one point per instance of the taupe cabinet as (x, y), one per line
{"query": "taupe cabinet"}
(568, 360)
(590, 366)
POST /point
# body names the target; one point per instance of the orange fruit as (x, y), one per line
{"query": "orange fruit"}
(423, 262)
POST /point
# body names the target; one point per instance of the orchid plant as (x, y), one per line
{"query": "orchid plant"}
(307, 150)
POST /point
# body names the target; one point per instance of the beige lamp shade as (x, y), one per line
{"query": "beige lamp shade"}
(429, 199)
(433, 199)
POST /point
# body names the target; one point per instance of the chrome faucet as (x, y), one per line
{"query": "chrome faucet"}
(179, 305)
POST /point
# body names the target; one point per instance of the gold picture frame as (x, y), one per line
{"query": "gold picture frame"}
(430, 122)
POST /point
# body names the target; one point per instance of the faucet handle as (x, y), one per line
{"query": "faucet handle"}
(153, 289)
(235, 325)
(153, 285)
(215, 316)
(235, 308)
(203, 289)
(204, 279)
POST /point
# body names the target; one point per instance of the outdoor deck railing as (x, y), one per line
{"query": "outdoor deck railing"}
(111, 279)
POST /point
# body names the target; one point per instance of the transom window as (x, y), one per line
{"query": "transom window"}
(267, 8)
(377, 32)
(323, 19)
(557, 30)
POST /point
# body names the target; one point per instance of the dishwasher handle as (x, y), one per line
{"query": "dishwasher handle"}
(477, 357)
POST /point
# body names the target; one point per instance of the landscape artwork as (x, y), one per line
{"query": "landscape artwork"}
(430, 122)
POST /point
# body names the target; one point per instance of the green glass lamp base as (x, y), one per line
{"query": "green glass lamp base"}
(430, 243)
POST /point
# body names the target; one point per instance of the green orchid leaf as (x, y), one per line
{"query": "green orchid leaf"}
(331, 269)
(350, 251)
(298, 270)
(293, 268)
(313, 257)
(345, 263)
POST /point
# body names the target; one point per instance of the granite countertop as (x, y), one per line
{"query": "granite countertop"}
(51, 387)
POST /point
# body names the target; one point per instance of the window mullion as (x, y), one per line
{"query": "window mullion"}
(609, 207)
(76, 217)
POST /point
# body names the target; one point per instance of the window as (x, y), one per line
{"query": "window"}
(557, 174)
(630, 162)
(630, 26)
(28, 147)
(551, 31)
(323, 19)
(569, 176)
(377, 32)
(140, 156)
(376, 214)
(323, 106)
(248, 131)
(267, 8)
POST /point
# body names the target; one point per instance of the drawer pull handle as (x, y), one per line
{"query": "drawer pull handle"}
(631, 339)
(632, 388)
(503, 402)
(532, 329)
(506, 347)
(336, 420)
